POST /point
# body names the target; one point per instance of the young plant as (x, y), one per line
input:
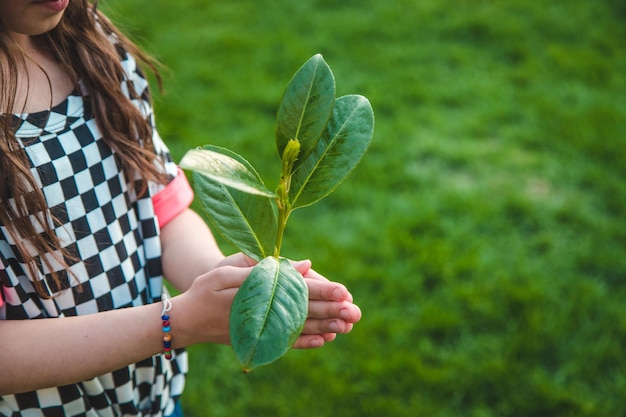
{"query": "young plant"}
(320, 139)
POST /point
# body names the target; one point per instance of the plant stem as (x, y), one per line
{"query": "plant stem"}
(284, 210)
(289, 156)
(283, 216)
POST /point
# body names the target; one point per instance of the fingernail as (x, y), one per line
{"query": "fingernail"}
(317, 342)
(339, 294)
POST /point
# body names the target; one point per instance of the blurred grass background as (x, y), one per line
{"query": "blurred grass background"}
(483, 234)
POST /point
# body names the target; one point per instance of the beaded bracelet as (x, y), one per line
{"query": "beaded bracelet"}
(167, 337)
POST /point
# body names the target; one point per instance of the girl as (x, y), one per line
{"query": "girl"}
(93, 214)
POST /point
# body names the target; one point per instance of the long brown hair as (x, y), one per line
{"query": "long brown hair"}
(80, 43)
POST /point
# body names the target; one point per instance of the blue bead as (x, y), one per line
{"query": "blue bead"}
(166, 329)
(167, 344)
(165, 317)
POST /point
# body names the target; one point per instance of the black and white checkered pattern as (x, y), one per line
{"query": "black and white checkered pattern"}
(114, 235)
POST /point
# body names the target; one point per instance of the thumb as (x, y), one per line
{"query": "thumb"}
(238, 259)
(302, 266)
(228, 277)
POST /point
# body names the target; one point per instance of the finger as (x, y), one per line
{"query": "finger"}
(312, 341)
(335, 326)
(327, 290)
(312, 274)
(238, 259)
(346, 311)
(229, 277)
(303, 267)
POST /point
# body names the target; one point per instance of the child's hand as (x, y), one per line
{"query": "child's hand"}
(206, 305)
(331, 309)
(201, 314)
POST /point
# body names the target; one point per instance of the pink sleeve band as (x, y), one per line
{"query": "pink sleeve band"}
(173, 199)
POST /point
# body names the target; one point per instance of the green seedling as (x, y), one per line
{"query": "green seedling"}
(320, 140)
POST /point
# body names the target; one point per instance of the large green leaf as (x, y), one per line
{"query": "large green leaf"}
(305, 107)
(268, 312)
(345, 141)
(226, 167)
(248, 221)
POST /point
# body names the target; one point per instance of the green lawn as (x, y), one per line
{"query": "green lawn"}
(483, 234)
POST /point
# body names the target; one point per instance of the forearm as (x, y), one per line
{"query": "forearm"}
(189, 249)
(59, 351)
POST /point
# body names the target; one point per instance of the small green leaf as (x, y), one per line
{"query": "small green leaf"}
(305, 107)
(347, 137)
(226, 167)
(268, 313)
(248, 221)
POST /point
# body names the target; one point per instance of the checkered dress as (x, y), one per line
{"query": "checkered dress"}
(116, 238)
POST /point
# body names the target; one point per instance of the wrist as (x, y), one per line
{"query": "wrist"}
(166, 326)
(192, 322)
(182, 322)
